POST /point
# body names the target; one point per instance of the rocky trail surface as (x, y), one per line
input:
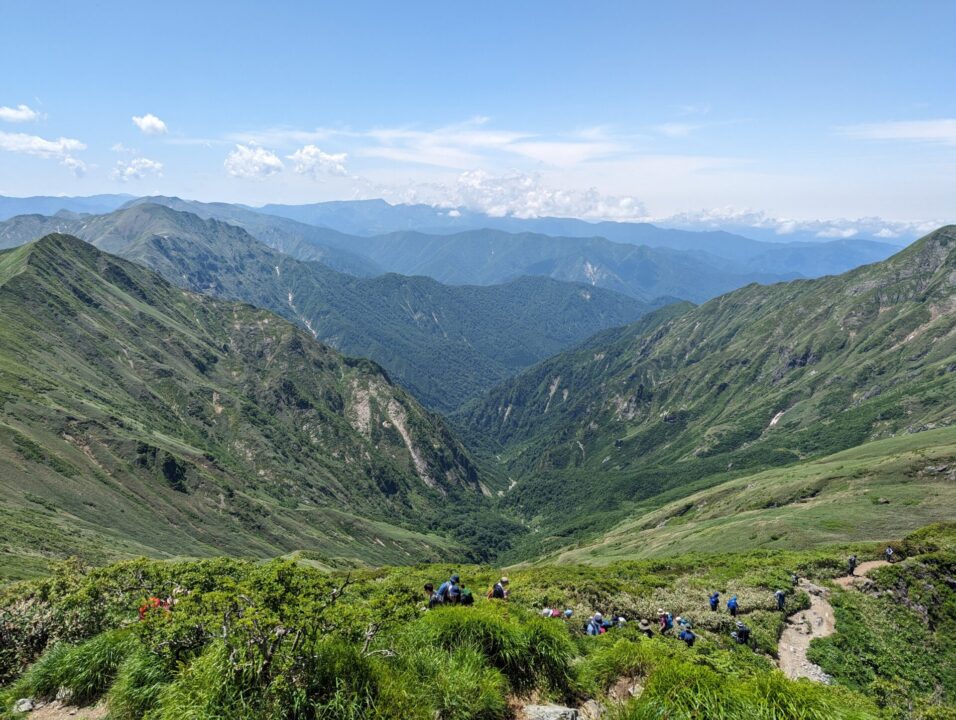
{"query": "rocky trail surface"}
(817, 621)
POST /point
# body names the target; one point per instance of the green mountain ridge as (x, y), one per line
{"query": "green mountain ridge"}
(445, 344)
(137, 417)
(764, 376)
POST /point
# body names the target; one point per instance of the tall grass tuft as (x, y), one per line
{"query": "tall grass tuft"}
(82, 672)
(139, 681)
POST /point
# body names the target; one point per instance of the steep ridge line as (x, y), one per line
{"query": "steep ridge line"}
(817, 621)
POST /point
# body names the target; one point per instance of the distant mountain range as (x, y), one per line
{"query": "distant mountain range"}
(139, 417)
(293, 230)
(445, 344)
(688, 397)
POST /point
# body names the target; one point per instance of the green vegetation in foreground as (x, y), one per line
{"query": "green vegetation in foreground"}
(686, 398)
(875, 491)
(281, 640)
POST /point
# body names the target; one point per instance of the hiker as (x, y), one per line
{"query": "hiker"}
(595, 625)
(889, 554)
(794, 580)
(732, 606)
(687, 636)
(665, 620)
(568, 614)
(466, 598)
(683, 622)
(781, 599)
(499, 591)
(645, 628)
(449, 589)
(851, 566)
(431, 595)
(715, 601)
(743, 633)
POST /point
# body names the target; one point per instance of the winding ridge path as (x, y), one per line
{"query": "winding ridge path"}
(814, 622)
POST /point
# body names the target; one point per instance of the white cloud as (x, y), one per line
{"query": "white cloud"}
(941, 131)
(35, 145)
(735, 220)
(21, 113)
(122, 149)
(76, 166)
(136, 169)
(521, 195)
(150, 124)
(252, 162)
(310, 160)
(61, 149)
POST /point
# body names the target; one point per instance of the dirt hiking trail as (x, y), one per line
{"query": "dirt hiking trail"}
(815, 622)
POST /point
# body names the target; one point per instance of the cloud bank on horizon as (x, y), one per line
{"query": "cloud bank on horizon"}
(562, 113)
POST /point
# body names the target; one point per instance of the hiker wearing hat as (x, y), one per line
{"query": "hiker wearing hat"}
(665, 620)
(645, 628)
(595, 625)
(742, 636)
(500, 590)
(450, 590)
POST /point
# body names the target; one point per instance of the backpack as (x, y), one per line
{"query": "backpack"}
(466, 597)
(498, 591)
(668, 621)
(732, 603)
(434, 600)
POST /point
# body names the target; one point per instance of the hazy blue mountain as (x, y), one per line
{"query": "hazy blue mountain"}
(446, 344)
(495, 256)
(50, 205)
(377, 217)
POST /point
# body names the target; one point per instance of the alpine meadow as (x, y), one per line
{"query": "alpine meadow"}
(510, 362)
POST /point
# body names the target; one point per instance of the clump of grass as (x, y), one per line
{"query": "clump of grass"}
(140, 679)
(528, 650)
(83, 672)
(204, 689)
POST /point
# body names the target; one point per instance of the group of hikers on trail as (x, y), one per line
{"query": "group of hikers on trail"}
(851, 563)
(452, 592)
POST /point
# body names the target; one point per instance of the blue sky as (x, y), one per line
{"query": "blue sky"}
(782, 111)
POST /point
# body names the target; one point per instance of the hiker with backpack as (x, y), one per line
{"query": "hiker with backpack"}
(449, 591)
(466, 597)
(851, 566)
(781, 597)
(714, 600)
(431, 596)
(687, 636)
(595, 625)
(499, 591)
(665, 620)
(645, 628)
(889, 554)
(743, 633)
(733, 606)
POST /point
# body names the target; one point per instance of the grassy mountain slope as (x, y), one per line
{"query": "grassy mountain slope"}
(136, 416)
(493, 256)
(446, 344)
(298, 240)
(876, 491)
(761, 377)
